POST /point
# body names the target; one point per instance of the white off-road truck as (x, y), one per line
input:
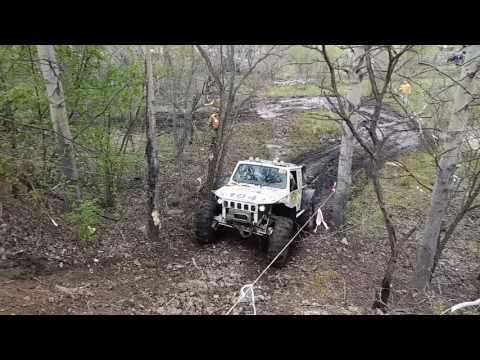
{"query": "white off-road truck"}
(263, 198)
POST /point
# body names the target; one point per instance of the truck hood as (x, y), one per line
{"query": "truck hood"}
(251, 194)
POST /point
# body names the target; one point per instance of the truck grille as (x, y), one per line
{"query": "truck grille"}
(241, 217)
(239, 206)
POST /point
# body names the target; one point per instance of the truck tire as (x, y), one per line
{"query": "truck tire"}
(282, 232)
(307, 215)
(205, 234)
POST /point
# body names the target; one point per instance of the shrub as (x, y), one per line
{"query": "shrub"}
(84, 220)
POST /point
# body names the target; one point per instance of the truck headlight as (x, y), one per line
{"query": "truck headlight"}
(219, 201)
(261, 208)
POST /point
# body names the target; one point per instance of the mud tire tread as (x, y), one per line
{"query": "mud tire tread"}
(205, 234)
(282, 232)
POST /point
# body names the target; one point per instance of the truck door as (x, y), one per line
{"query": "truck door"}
(295, 197)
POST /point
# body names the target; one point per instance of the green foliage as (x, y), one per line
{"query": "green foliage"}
(252, 138)
(130, 165)
(22, 98)
(22, 94)
(104, 169)
(438, 306)
(365, 88)
(311, 128)
(84, 220)
(94, 84)
(249, 139)
(323, 285)
(166, 147)
(293, 90)
(405, 197)
(419, 96)
(38, 197)
(7, 169)
(313, 90)
(299, 63)
(308, 63)
(316, 123)
(334, 52)
(98, 89)
(301, 53)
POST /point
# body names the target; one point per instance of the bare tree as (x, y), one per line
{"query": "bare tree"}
(471, 191)
(373, 144)
(446, 168)
(228, 87)
(344, 173)
(58, 113)
(182, 91)
(152, 181)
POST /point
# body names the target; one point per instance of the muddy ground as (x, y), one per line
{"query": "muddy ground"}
(43, 270)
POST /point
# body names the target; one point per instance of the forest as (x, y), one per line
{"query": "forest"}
(121, 167)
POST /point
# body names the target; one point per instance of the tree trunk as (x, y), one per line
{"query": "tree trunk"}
(108, 168)
(58, 113)
(447, 167)
(128, 133)
(227, 100)
(344, 174)
(153, 186)
(212, 162)
(466, 207)
(383, 296)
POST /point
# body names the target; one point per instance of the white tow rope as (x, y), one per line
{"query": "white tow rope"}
(462, 305)
(320, 220)
(246, 292)
(247, 296)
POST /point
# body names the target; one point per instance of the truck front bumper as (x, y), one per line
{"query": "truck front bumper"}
(246, 229)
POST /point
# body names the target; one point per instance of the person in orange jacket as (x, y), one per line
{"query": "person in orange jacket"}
(215, 121)
(405, 90)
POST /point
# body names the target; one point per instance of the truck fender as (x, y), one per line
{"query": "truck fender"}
(307, 196)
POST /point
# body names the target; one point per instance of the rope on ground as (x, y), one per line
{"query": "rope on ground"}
(462, 305)
(247, 295)
(246, 292)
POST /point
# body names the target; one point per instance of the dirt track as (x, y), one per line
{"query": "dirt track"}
(328, 273)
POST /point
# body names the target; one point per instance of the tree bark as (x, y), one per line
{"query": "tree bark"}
(227, 86)
(226, 103)
(447, 166)
(128, 133)
(152, 183)
(108, 170)
(383, 295)
(466, 207)
(58, 113)
(344, 173)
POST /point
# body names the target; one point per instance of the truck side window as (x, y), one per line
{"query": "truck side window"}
(293, 181)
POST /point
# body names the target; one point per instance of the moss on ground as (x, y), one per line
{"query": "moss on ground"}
(293, 90)
(249, 139)
(311, 128)
(312, 90)
(316, 122)
(166, 147)
(323, 285)
(365, 89)
(405, 197)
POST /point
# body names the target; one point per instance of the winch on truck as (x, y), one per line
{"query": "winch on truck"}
(264, 198)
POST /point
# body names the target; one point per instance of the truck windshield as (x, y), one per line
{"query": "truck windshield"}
(261, 175)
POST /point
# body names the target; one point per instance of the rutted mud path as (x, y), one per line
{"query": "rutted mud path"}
(321, 164)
